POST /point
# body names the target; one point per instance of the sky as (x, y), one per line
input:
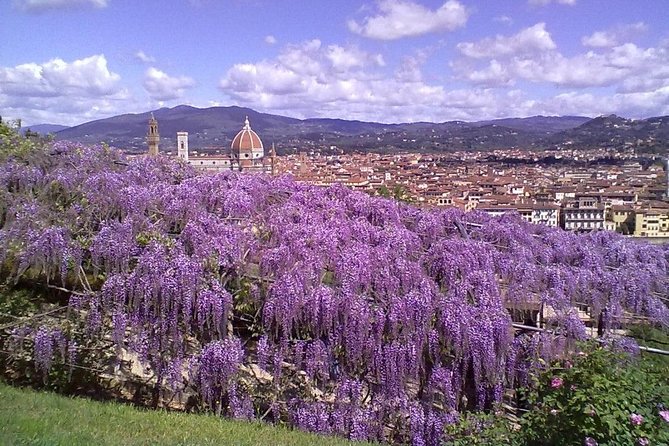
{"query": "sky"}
(72, 61)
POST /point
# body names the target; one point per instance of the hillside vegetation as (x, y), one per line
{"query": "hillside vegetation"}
(216, 126)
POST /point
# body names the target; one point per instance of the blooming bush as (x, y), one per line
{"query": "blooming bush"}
(605, 398)
(365, 317)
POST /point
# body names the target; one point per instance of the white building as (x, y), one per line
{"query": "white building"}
(247, 153)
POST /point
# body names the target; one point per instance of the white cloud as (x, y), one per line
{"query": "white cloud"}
(37, 6)
(410, 70)
(532, 55)
(627, 67)
(504, 19)
(298, 68)
(270, 39)
(613, 37)
(143, 57)
(398, 19)
(534, 39)
(600, 39)
(546, 2)
(87, 77)
(494, 75)
(61, 92)
(633, 105)
(312, 79)
(343, 59)
(162, 87)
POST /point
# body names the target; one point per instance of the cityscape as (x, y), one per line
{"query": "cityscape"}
(351, 222)
(575, 189)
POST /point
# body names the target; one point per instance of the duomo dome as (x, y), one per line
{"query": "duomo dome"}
(247, 144)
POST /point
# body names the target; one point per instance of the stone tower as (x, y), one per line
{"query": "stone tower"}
(182, 145)
(153, 137)
(273, 159)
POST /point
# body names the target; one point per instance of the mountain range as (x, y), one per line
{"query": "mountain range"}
(215, 127)
(44, 129)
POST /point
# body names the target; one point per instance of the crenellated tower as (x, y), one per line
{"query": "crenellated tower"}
(153, 137)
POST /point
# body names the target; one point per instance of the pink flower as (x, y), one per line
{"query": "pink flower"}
(556, 382)
(665, 415)
(636, 419)
(554, 411)
(643, 442)
(589, 441)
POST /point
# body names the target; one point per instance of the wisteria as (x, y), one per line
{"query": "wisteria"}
(329, 309)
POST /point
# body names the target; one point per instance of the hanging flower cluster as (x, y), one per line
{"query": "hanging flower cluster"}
(375, 320)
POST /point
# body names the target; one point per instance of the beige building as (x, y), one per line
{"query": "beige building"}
(621, 219)
(651, 223)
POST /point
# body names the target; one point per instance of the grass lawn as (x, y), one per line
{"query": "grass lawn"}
(28, 417)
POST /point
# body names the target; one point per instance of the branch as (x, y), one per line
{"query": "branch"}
(31, 318)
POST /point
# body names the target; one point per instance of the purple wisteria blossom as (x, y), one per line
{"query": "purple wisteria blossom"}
(664, 414)
(636, 419)
(589, 441)
(361, 312)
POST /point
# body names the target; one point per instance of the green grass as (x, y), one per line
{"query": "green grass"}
(28, 417)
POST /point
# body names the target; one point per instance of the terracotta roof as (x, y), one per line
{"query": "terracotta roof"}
(246, 140)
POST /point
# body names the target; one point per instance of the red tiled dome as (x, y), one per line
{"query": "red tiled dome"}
(246, 140)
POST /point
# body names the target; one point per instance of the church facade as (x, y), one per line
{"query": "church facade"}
(247, 152)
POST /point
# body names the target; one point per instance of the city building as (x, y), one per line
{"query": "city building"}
(247, 152)
(622, 218)
(153, 137)
(584, 214)
(182, 145)
(651, 222)
(625, 196)
(545, 214)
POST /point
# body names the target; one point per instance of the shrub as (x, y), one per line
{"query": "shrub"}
(598, 397)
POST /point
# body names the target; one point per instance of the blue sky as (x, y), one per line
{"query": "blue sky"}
(71, 61)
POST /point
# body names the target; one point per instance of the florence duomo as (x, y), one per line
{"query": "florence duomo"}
(246, 153)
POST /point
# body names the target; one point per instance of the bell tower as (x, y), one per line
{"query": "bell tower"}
(182, 145)
(153, 137)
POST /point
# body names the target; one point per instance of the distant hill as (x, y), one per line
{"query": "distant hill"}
(648, 135)
(44, 129)
(215, 127)
(546, 124)
(207, 127)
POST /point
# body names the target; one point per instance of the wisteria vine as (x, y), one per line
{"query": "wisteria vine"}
(329, 309)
